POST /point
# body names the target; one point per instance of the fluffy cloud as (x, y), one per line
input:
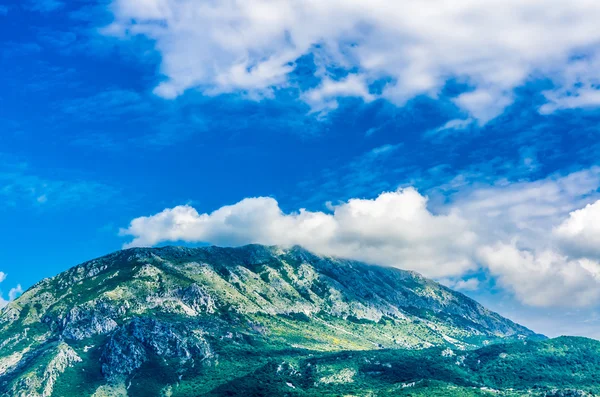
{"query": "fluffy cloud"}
(543, 278)
(504, 231)
(15, 292)
(526, 210)
(494, 46)
(517, 247)
(580, 232)
(394, 229)
(470, 284)
(324, 97)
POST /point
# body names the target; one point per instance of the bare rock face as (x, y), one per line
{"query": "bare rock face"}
(567, 393)
(93, 318)
(40, 383)
(133, 343)
(197, 298)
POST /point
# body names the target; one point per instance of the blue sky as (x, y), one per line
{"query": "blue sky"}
(157, 122)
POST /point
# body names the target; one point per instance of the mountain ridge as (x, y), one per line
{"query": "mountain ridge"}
(191, 306)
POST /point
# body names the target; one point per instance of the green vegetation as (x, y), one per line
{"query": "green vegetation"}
(532, 368)
(256, 321)
(518, 369)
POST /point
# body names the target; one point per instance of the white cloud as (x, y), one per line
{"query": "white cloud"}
(504, 230)
(12, 294)
(484, 105)
(544, 278)
(15, 292)
(324, 96)
(526, 210)
(578, 87)
(455, 124)
(469, 284)
(394, 229)
(494, 46)
(580, 232)
(514, 223)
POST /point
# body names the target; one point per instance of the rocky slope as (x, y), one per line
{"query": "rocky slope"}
(179, 320)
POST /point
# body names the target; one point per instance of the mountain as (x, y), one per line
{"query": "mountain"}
(202, 321)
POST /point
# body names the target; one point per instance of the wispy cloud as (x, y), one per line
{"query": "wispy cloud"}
(360, 177)
(450, 127)
(44, 5)
(252, 47)
(20, 185)
(107, 105)
(155, 123)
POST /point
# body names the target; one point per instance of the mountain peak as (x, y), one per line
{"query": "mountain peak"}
(179, 303)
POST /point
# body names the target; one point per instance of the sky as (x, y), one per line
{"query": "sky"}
(458, 139)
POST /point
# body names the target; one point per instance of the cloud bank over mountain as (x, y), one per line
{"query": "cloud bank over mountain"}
(506, 231)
